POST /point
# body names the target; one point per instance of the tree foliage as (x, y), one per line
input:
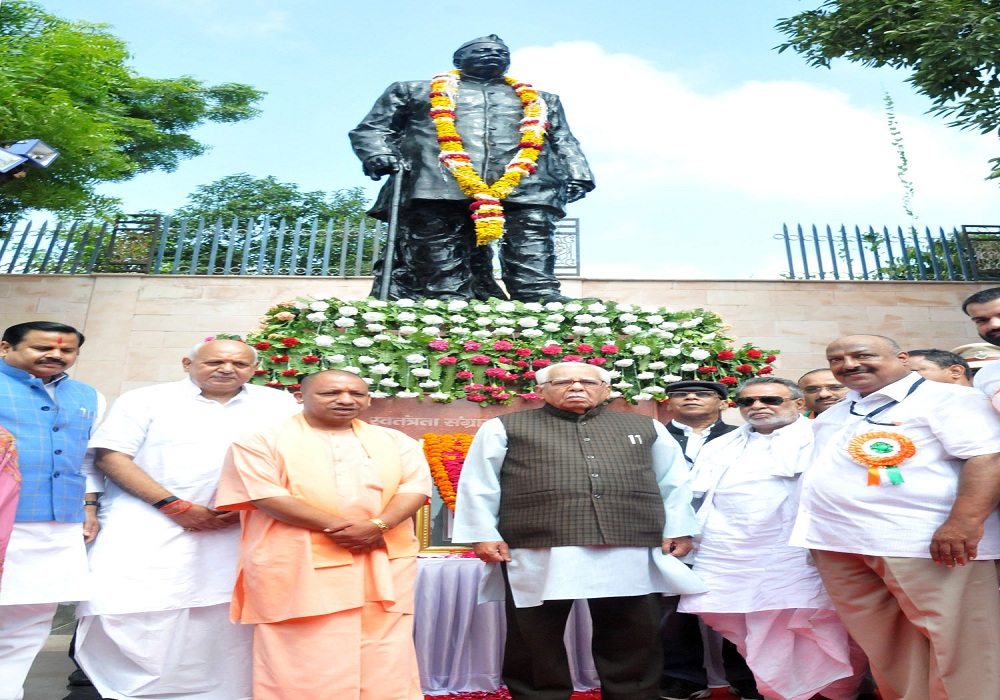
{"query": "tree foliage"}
(69, 84)
(951, 47)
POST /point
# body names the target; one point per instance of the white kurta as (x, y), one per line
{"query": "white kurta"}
(574, 573)
(157, 624)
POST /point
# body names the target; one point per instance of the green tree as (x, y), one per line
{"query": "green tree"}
(69, 84)
(951, 47)
(254, 218)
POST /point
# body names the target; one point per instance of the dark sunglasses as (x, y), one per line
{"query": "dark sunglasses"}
(747, 401)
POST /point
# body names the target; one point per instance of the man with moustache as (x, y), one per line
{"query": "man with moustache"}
(763, 595)
(940, 366)
(696, 407)
(899, 510)
(436, 252)
(51, 417)
(983, 308)
(165, 564)
(573, 501)
(328, 553)
(820, 391)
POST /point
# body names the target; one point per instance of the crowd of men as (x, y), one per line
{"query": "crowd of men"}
(227, 541)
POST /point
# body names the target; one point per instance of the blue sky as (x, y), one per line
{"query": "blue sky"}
(703, 139)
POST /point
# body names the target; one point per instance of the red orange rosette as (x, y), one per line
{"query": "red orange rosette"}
(881, 449)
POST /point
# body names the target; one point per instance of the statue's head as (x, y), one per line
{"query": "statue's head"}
(485, 57)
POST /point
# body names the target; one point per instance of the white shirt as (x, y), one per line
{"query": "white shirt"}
(752, 483)
(839, 512)
(142, 561)
(695, 440)
(571, 573)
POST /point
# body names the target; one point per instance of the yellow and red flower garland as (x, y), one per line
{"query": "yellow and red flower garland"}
(881, 449)
(446, 455)
(487, 211)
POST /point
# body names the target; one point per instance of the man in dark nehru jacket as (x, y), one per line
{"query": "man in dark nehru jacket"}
(487, 120)
(696, 407)
(574, 501)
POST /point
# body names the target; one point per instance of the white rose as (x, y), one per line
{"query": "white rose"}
(432, 319)
(363, 342)
(368, 380)
(375, 327)
(527, 322)
(407, 330)
(404, 303)
(554, 305)
(406, 316)
(484, 321)
(373, 316)
(669, 326)
(482, 308)
(603, 330)
(319, 306)
(352, 369)
(378, 394)
(343, 322)
(689, 367)
(388, 382)
(573, 308)
(415, 359)
(642, 396)
(555, 318)
(457, 318)
(316, 316)
(503, 321)
(601, 320)
(380, 337)
(614, 373)
(531, 333)
(654, 320)
(502, 331)
(432, 303)
(347, 311)
(378, 304)
(584, 318)
(407, 394)
(631, 330)
(439, 396)
(366, 360)
(699, 354)
(457, 304)
(550, 327)
(459, 330)
(301, 305)
(581, 330)
(708, 338)
(623, 308)
(622, 385)
(420, 372)
(429, 384)
(432, 330)
(641, 350)
(481, 334)
(628, 318)
(380, 368)
(657, 365)
(533, 306)
(335, 359)
(597, 308)
(506, 307)
(645, 375)
(614, 394)
(323, 341)
(624, 362)
(670, 352)
(668, 378)
(696, 321)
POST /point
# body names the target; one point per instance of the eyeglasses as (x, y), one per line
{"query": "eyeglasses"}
(700, 394)
(587, 383)
(747, 401)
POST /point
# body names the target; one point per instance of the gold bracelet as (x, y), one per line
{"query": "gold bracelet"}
(380, 523)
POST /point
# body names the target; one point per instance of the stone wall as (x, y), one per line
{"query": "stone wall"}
(138, 327)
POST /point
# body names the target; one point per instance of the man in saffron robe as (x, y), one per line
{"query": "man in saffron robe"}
(436, 253)
(10, 487)
(328, 551)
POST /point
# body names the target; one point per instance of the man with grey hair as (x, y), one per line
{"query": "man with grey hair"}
(164, 568)
(574, 501)
(436, 252)
(763, 595)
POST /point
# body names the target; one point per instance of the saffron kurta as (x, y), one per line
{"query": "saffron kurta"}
(10, 487)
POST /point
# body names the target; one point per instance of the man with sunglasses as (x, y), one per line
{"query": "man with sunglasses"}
(899, 510)
(763, 595)
(696, 407)
(577, 502)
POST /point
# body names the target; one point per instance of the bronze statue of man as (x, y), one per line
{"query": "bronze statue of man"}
(495, 127)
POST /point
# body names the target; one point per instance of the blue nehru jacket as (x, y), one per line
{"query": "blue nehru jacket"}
(51, 442)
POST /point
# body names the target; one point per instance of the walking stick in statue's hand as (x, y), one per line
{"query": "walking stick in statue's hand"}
(383, 165)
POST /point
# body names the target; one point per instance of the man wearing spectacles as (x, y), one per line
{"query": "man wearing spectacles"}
(763, 595)
(696, 407)
(899, 510)
(820, 390)
(574, 501)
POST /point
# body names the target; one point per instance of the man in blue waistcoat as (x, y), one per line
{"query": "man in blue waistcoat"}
(569, 502)
(51, 417)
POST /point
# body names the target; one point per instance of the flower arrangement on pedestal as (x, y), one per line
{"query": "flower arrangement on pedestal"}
(488, 351)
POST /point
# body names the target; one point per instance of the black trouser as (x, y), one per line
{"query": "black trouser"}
(684, 651)
(625, 645)
(437, 256)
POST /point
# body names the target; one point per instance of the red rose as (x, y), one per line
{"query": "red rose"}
(529, 375)
(503, 345)
(279, 358)
(290, 342)
(583, 347)
(551, 350)
(473, 387)
(744, 368)
(521, 363)
(770, 358)
(509, 376)
(464, 374)
(522, 352)
(530, 396)
(289, 373)
(295, 386)
(609, 349)
(472, 345)
(501, 396)
(754, 354)
(571, 358)
(449, 361)
(505, 361)
(275, 385)
(597, 360)
(310, 359)
(476, 397)
(726, 355)
(728, 380)
(259, 372)
(479, 360)
(541, 363)
(495, 372)
(262, 345)
(766, 369)
(709, 369)
(438, 345)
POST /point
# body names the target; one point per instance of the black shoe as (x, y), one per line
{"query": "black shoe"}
(745, 690)
(79, 678)
(681, 689)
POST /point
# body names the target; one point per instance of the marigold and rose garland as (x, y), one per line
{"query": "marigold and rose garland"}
(488, 352)
(446, 456)
(487, 211)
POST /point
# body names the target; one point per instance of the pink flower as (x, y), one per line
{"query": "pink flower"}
(473, 387)
(551, 350)
(571, 358)
(501, 396)
(505, 361)
(479, 360)
(495, 372)
(464, 374)
(522, 352)
(528, 375)
(521, 363)
(541, 363)
(478, 398)
(284, 316)
(448, 361)
(503, 345)
(609, 349)
(531, 396)
(597, 360)
(583, 347)
(438, 345)
(471, 345)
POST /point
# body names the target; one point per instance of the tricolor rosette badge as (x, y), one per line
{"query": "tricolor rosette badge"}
(881, 450)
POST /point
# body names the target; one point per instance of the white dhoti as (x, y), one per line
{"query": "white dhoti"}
(192, 653)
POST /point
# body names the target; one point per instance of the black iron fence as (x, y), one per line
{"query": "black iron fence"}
(151, 244)
(968, 253)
